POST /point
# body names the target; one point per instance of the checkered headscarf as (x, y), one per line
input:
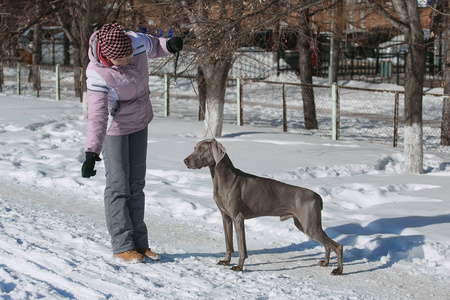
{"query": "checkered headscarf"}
(114, 43)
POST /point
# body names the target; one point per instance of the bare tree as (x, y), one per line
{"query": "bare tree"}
(28, 15)
(221, 27)
(79, 19)
(201, 94)
(216, 48)
(36, 49)
(404, 15)
(445, 129)
(305, 66)
(440, 26)
(10, 20)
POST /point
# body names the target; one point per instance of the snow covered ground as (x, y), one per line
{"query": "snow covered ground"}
(54, 244)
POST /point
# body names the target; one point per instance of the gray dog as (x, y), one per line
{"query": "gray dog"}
(241, 196)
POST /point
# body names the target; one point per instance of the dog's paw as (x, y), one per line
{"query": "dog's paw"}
(237, 268)
(323, 263)
(337, 271)
(223, 263)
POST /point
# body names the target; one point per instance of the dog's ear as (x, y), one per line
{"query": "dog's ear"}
(218, 151)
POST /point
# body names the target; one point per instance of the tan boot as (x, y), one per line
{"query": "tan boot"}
(149, 253)
(130, 256)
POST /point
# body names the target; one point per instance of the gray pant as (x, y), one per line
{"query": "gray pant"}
(125, 166)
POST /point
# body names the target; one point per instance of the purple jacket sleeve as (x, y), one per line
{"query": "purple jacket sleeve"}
(97, 121)
(156, 47)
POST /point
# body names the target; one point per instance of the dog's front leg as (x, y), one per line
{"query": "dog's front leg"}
(228, 229)
(242, 246)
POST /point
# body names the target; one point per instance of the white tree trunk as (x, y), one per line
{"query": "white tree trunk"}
(413, 149)
(213, 118)
(215, 75)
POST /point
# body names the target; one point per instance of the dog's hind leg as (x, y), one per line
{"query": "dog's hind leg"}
(321, 237)
(322, 263)
(316, 233)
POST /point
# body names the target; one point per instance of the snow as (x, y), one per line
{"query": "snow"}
(54, 243)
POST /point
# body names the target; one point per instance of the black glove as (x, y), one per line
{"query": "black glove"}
(87, 170)
(175, 44)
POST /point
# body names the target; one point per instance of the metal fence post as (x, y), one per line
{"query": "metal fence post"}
(352, 68)
(37, 71)
(334, 112)
(18, 78)
(58, 90)
(83, 88)
(398, 68)
(1, 78)
(239, 103)
(445, 127)
(396, 105)
(284, 108)
(166, 95)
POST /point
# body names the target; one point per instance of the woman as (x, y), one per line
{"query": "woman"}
(119, 112)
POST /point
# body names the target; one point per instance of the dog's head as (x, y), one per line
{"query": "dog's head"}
(206, 153)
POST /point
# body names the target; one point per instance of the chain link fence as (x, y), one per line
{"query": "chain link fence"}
(55, 82)
(364, 114)
(370, 115)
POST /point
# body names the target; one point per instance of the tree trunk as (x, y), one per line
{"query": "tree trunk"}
(415, 68)
(201, 94)
(81, 29)
(445, 125)
(414, 80)
(76, 54)
(86, 32)
(335, 59)
(276, 36)
(407, 20)
(304, 48)
(37, 51)
(216, 75)
(77, 72)
(66, 54)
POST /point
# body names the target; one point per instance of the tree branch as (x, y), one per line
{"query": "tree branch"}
(400, 25)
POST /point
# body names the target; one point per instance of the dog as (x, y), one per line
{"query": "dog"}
(241, 196)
